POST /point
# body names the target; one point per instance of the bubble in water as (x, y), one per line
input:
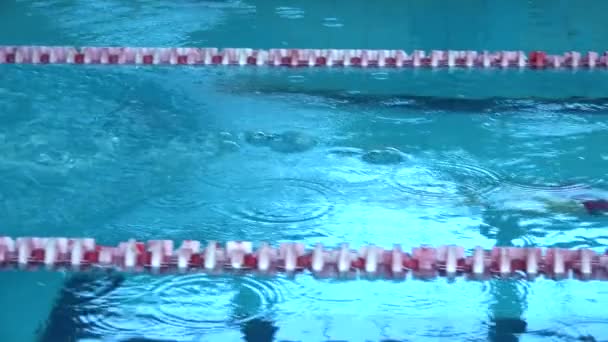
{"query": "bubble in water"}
(292, 142)
(385, 156)
(229, 146)
(381, 76)
(286, 142)
(345, 152)
(257, 138)
(44, 158)
(296, 79)
(55, 158)
(225, 135)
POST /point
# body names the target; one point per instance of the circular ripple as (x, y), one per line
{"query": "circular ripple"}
(185, 200)
(347, 165)
(283, 201)
(87, 287)
(233, 171)
(200, 302)
(179, 194)
(111, 307)
(177, 305)
(441, 180)
(354, 174)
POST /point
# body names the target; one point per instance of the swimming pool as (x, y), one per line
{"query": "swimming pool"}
(487, 158)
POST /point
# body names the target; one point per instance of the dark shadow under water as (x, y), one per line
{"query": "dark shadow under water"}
(572, 105)
(488, 105)
(64, 324)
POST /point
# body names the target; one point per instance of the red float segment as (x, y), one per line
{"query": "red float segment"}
(371, 260)
(538, 59)
(297, 57)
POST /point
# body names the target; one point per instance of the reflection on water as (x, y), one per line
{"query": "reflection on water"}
(464, 179)
(165, 153)
(101, 306)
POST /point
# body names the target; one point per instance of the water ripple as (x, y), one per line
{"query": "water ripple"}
(102, 315)
(183, 200)
(348, 166)
(563, 194)
(397, 305)
(556, 187)
(236, 170)
(190, 301)
(183, 195)
(282, 200)
(190, 304)
(579, 330)
(445, 180)
(92, 288)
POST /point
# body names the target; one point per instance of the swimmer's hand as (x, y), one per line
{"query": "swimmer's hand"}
(563, 207)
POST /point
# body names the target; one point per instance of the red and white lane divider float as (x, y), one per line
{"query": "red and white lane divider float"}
(300, 57)
(159, 256)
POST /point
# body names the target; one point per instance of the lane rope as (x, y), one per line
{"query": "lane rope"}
(42, 55)
(240, 257)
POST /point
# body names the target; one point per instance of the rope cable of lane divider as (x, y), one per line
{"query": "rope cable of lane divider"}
(240, 257)
(299, 57)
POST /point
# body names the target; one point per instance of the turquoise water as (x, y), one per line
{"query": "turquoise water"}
(468, 157)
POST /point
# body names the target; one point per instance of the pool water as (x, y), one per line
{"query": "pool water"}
(413, 157)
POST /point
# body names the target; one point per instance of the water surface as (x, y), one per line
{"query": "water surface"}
(473, 158)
